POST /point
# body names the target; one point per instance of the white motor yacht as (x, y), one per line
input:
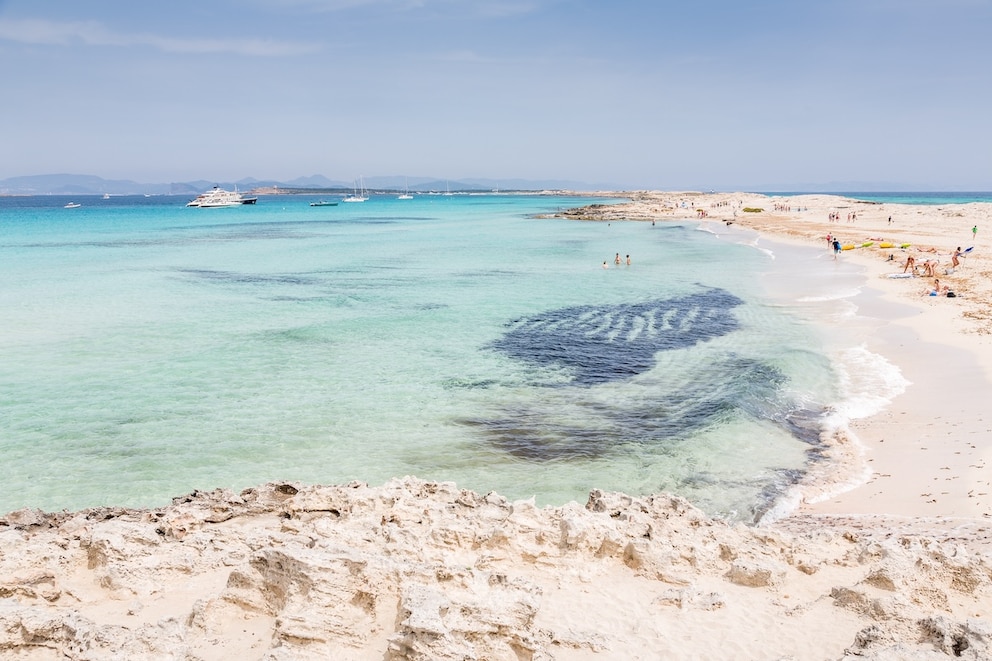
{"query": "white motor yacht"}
(218, 197)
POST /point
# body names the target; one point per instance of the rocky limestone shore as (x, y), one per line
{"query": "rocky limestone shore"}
(419, 570)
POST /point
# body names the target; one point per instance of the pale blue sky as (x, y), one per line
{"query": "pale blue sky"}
(692, 94)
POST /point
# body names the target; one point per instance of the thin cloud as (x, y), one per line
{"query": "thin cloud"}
(91, 33)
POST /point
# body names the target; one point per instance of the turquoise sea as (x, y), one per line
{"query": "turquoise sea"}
(148, 349)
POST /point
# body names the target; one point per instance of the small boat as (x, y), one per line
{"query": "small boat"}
(72, 205)
(323, 203)
(405, 196)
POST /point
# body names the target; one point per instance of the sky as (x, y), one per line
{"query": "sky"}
(649, 94)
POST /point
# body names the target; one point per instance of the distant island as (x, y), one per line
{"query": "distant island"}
(76, 184)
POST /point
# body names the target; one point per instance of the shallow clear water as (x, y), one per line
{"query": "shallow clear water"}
(149, 349)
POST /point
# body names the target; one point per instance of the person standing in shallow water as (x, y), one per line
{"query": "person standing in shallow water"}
(628, 260)
(616, 260)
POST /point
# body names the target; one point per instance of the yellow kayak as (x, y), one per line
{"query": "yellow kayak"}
(885, 245)
(849, 246)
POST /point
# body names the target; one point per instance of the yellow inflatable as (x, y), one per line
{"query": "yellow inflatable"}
(885, 245)
(867, 244)
(848, 246)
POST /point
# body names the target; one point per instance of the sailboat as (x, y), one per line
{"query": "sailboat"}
(356, 197)
(406, 195)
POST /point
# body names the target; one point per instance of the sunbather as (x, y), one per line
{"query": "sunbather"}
(937, 290)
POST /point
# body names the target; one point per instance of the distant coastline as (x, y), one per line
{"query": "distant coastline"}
(84, 184)
(79, 185)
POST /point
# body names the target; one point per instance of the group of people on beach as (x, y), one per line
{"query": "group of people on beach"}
(617, 261)
(928, 267)
(834, 217)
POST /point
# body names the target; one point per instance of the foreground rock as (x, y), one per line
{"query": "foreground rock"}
(418, 570)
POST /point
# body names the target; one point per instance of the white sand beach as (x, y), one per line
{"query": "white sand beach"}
(897, 567)
(930, 450)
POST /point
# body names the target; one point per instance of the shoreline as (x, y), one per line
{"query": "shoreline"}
(928, 450)
(898, 567)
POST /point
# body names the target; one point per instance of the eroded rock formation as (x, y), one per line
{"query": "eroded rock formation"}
(415, 570)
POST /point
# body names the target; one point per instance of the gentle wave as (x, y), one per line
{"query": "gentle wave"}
(868, 383)
(837, 295)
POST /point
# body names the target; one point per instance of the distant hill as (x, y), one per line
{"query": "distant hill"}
(84, 184)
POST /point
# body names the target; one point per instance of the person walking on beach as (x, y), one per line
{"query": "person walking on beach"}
(974, 232)
(837, 248)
